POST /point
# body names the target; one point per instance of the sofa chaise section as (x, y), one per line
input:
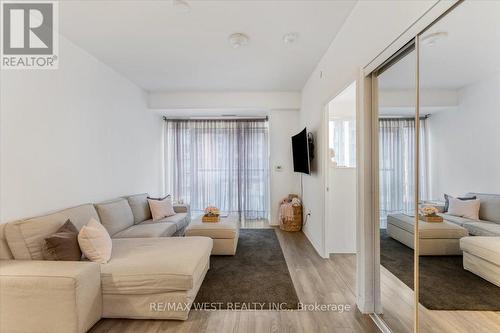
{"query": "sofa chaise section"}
(143, 273)
(482, 257)
(49, 296)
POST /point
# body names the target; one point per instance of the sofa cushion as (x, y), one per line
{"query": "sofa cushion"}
(447, 201)
(95, 242)
(25, 237)
(490, 206)
(63, 245)
(456, 219)
(161, 207)
(140, 207)
(116, 215)
(155, 265)
(148, 230)
(487, 248)
(464, 208)
(483, 228)
(181, 220)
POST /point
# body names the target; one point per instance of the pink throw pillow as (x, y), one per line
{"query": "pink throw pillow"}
(161, 208)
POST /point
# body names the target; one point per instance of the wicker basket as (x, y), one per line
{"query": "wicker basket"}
(210, 218)
(296, 223)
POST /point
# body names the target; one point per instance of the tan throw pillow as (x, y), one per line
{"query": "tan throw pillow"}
(161, 208)
(468, 209)
(63, 245)
(95, 242)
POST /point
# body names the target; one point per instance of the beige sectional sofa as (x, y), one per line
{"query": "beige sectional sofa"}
(478, 241)
(149, 275)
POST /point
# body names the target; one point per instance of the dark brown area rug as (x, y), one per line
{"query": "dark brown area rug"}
(444, 283)
(256, 278)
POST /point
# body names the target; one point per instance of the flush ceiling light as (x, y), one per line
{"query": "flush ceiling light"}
(432, 39)
(238, 40)
(290, 38)
(182, 6)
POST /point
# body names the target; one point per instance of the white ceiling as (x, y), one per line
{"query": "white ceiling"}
(162, 49)
(469, 53)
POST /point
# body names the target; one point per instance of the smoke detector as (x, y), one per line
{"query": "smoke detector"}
(181, 6)
(238, 40)
(290, 38)
(432, 39)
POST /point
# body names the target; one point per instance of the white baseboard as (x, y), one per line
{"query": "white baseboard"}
(315, 246)
(342, 251)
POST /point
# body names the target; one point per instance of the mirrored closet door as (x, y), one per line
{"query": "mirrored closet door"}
(436, 115)
(397, 155)
(459, 201)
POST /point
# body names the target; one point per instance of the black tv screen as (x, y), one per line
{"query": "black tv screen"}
(300, 151)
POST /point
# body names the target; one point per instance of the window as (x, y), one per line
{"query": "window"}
(224, 163)
(342, 142)
(342, 128)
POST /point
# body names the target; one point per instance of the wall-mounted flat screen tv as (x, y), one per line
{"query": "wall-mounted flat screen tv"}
(300, 151)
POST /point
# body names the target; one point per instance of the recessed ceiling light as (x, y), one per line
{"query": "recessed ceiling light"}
(182, 6)
(238, 40)
(290, 37)
(432, 39)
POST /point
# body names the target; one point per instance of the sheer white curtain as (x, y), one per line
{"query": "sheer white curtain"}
(397, 166)
(224, 163)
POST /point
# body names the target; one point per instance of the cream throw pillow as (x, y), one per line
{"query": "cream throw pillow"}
(95, 242)
(464, 208)
(161, 208)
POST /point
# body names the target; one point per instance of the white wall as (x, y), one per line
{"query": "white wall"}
(340, 204)
(235, 100)
(341, 208)
(370, 28)
(78, 134)
(465, 142)
(282, 125)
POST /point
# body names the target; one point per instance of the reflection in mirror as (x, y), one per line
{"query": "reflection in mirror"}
(397, 202)
(342, 128)
(460, 93)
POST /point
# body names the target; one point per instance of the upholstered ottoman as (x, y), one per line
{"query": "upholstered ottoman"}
(224, 233)
(436, 239)
(482, 257)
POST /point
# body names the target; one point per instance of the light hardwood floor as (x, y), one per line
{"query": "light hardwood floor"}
(397, 301)
(316, 279)
(255, 224)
